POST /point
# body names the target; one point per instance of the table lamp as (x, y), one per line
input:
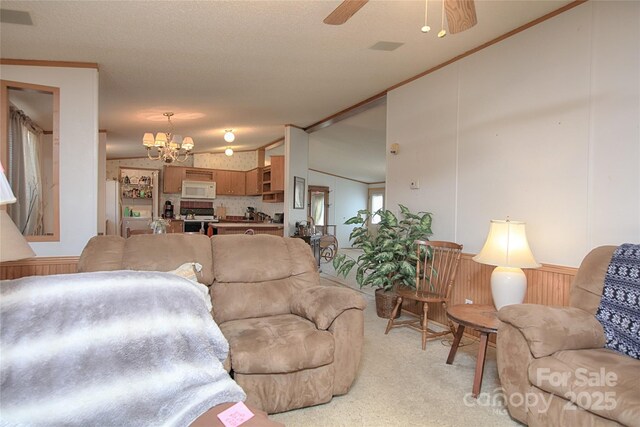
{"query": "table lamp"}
(13, 245)
(507, 248)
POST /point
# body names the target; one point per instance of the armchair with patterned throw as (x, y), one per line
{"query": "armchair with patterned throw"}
(577, 365)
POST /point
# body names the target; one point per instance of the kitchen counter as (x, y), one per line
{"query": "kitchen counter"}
(242, 227)
(246, 224)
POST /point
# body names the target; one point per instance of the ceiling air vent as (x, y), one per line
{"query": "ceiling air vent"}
(15, 17)
(386, 46)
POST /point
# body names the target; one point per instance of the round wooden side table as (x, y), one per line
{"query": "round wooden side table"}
(482, 318)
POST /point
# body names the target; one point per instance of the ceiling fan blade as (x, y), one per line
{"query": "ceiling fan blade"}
(461, 15)
(344, 11)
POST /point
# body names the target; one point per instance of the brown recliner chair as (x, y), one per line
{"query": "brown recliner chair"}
(293, 342)
(552, 363)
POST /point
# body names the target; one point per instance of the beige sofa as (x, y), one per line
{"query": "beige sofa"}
(293, 342)
(553, 365)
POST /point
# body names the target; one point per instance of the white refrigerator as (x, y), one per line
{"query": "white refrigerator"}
(131, 203)
(112, 207)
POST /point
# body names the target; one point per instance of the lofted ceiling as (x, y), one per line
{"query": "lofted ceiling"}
(248, 66)
(353, 148)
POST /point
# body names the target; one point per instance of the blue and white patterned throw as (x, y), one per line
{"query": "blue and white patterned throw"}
(619, 311)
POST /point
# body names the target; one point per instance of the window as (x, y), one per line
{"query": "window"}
(376, 202)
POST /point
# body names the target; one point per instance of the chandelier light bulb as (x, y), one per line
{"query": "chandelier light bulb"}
(228, 151)
(426, 29)
(229, 136)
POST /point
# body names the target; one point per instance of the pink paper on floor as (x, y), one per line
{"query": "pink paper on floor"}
(235, 415)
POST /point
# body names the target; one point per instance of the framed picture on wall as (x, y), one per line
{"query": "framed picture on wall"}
(298, 192)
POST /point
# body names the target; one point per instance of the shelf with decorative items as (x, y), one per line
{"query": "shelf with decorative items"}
(137, 191)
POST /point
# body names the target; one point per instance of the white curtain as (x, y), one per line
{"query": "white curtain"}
(317, 208)
(25, 139)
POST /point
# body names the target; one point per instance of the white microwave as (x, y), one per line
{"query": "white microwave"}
(198, 190)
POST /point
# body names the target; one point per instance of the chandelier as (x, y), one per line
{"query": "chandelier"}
(167, 146)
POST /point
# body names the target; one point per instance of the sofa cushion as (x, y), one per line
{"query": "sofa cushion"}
(277, 344)
(248, 259)
(234, 301)
(102, 253)
(549, 329)
(164, 252)
(599, 380)
(586, 289)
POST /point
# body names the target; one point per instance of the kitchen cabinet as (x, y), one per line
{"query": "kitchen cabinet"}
(200, 174)
(273, 180)
(175, 226)
(174, 175)
(230, 183)
(172, 178)
(253, 179)
(277, 173)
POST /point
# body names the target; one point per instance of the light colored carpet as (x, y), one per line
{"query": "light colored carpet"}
(401, 385)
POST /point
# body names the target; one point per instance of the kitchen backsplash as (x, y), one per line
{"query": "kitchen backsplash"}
(236, 206)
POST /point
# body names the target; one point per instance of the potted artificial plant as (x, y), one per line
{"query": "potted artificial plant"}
(389, 256)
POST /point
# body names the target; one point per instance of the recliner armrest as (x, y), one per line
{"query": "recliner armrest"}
(322, 304)
(549, 329)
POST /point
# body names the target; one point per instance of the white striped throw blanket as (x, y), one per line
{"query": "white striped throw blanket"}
(119, 348)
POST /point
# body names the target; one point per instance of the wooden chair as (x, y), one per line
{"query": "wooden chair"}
(435, 275)
(328, 242)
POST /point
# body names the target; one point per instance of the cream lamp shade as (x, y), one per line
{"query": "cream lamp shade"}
(13, 245)
(507, 248)
(148, 140)
(187, 143)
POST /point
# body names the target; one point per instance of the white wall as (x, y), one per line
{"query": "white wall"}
(346, 198)
(78, 152)
(541, 127)
(296, 154)
(102, 177)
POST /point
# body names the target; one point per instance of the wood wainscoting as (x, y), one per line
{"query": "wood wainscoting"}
(40, 266)
(547, 285)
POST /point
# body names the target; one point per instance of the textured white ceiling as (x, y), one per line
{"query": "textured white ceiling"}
(250, 66)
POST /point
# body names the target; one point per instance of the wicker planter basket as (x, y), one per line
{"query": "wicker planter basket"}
(385, 302)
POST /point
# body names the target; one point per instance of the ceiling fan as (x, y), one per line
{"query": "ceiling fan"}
(461, 14)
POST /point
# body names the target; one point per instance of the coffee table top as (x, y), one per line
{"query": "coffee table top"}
(477, 316)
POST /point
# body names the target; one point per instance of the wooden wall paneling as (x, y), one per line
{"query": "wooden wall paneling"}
(41, 266)
(548, 285)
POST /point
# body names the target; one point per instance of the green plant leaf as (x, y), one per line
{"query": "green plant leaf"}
(354, 220)
(388, 256)
(346, 267)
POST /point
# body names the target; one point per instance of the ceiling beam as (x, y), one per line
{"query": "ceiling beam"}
(43, 63)
(360, 107)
